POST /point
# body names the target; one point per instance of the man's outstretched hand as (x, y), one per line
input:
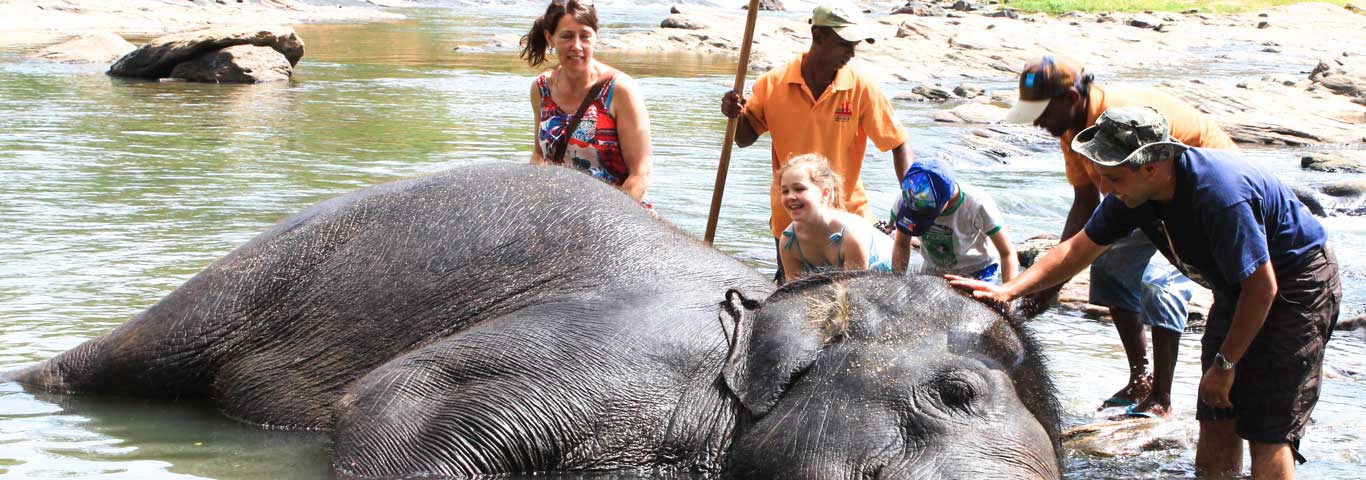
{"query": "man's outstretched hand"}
(994, 295)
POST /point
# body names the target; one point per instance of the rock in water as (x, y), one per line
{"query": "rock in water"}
(1346, 161)
(158, 57)
(236, 64)
(1124, 437)
(680, 21)
(919, 9)
(970, 113)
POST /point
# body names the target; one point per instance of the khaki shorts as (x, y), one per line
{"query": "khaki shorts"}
(1276, 383)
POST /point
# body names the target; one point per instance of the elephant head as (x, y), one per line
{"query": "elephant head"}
(871, 376)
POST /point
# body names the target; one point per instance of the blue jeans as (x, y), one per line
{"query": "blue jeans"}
(1129, 277)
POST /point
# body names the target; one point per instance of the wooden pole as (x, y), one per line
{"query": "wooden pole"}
(718, 190)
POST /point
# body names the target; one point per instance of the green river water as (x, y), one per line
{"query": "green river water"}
(114, 192)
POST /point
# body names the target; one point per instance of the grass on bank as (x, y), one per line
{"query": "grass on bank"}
(1058, 7)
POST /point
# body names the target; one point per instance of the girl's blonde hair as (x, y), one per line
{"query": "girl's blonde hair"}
(818, 169)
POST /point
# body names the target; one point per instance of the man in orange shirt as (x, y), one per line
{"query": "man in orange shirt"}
(1058, 95)
(815, 105)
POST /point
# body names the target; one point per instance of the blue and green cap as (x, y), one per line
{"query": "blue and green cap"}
(925, 190)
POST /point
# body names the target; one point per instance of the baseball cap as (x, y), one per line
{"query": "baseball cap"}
(845, 20)
(1040, 81)
(1128, 134)
(926, 189)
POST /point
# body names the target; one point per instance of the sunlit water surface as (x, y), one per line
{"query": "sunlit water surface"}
(114, 192)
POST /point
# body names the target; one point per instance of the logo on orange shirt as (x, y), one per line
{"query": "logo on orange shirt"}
(843, 112)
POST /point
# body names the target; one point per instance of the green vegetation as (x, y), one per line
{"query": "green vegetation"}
(1057, 7)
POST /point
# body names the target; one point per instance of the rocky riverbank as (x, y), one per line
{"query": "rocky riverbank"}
(40, 22)
(940, 46)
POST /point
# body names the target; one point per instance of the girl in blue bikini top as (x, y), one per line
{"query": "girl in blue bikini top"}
(822, 237)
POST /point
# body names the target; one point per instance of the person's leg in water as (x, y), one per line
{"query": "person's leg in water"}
(1272, 461)
(1165, 295)
(1130, 330)
(1116, 282)
(1218, 450)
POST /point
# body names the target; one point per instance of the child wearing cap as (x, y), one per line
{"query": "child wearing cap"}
(821, 236)
(954, 221)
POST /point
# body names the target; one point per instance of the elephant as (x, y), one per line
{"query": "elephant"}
(506, 318)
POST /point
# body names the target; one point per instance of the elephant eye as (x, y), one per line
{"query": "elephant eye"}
(957, 390)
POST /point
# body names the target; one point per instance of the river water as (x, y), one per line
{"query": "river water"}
(114, 192)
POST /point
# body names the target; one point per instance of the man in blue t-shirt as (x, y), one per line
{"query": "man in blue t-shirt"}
(1236, 229)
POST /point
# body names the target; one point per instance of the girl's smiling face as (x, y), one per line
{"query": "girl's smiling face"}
(801, 197)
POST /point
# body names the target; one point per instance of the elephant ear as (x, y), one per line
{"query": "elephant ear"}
(771, 347)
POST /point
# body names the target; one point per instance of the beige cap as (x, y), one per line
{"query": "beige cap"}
(845, 20)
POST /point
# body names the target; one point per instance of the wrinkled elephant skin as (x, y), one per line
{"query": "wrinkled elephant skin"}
(513, 318)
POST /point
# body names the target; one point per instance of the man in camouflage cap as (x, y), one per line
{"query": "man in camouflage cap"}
(1236, 229)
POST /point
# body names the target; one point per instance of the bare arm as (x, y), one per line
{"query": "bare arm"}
(1010, 265)
(1259, 290)
(733, 106)
(792, 266)
(902, 157)
(901, 252)
(1254, 302)
(537, 157)
(1085, 199)
(633, 131)
(1064, 261)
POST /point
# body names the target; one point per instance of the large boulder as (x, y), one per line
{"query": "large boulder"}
(236, 64)
(100, 47)
(160, 56)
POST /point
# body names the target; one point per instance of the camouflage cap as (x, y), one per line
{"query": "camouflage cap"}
(1137, 135)
(1040, 81)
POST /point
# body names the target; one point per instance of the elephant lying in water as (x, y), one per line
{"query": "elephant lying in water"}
(510, 318)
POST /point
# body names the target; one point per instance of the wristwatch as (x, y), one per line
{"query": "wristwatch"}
(1221, 362)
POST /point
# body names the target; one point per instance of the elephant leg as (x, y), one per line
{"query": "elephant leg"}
(478, 403)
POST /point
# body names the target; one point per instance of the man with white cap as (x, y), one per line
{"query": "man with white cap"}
(816, 105)
(1236, 229)
(1057, 94)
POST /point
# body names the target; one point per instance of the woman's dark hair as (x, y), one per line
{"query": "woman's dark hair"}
(534, 44)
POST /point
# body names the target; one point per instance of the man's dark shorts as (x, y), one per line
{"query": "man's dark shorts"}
(1276, 383)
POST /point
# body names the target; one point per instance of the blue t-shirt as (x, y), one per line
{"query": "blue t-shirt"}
(1226, 218)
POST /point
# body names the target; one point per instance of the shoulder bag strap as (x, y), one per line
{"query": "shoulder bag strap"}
(557, 154)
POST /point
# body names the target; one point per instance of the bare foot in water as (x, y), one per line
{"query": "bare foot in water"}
(1135, 392)
(1151, 407)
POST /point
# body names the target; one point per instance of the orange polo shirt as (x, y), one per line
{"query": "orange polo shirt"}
(1188, 125)
(851, 111)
